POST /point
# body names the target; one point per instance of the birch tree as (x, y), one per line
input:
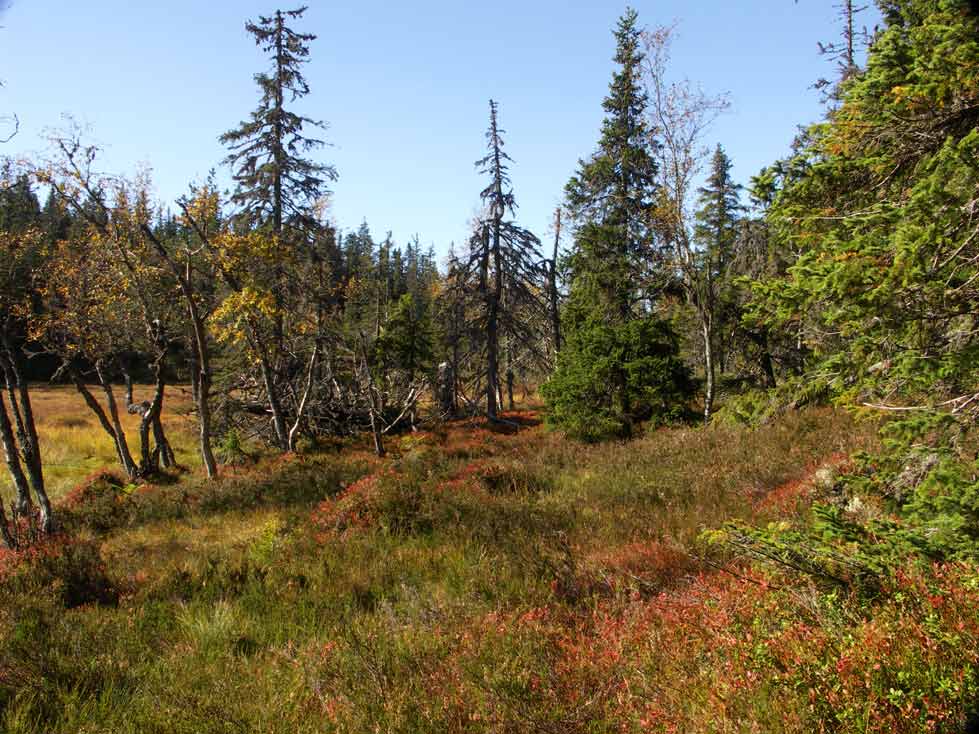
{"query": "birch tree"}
(680, 113)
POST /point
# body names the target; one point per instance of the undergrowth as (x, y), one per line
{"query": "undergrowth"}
(481, 579)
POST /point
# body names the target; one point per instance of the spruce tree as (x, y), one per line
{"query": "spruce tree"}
(618, 363)
(882, 214)
(504, 270)
(277, 189)
(715, 234)
(276, 182)
(613, 193)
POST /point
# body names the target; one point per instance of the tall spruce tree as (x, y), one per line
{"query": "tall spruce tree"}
(619, 362)
(277, 189)
(504, 269)
(715, 234)
(613, 193)
(276, 182)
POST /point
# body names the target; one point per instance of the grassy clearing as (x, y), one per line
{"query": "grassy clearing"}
(476, 580)
(74, 445)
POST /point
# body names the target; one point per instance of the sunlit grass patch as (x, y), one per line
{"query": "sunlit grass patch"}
(74, 444)
(146, 551)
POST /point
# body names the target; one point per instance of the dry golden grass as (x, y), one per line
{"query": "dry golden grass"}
(74, 444)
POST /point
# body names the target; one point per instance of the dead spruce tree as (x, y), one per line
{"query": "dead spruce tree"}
(553, 296)
(503, 275)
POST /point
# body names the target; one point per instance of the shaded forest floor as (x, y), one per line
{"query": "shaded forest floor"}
(476, 580)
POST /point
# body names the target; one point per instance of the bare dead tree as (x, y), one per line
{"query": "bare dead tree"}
(681, 113)
(504, 270)
(844, 51)
(12, 120)
(552, 290)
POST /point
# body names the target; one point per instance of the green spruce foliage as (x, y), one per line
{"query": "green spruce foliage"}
(881, 206)
(406, 342)
(609, 377)
(619, 363)
(276, 182)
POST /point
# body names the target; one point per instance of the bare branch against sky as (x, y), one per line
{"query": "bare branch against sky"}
(9, 124)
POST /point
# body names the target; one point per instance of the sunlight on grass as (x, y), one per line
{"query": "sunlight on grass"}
(148, 551)
(74, 444)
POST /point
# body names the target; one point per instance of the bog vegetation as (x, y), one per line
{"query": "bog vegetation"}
(705, 465)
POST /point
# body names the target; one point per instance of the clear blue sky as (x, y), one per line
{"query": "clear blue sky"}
(404, 87)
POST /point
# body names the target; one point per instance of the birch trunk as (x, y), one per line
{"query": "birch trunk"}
(707, 330)
(112, 427)
(30, 445)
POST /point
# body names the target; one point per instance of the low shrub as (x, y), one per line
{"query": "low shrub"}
(99, 503)
(60, 567)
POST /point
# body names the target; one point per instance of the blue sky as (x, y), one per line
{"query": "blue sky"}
(404, 87)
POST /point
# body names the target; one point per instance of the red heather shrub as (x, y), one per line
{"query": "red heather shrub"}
(99, 503)
(655, 565)
(386, 498)
(69, 568)
(795, 496)
(786, 498)
(725, 649)
(91, 488)
(726, 653)
(472, 443)
(495, 476)
(353, 507)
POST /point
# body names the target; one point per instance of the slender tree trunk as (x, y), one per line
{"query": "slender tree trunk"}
(375, 409)
(278, 419)
(552, 284)
(203, 403)
(491, 343)
(30, 445)
(202, 397)
(707, 332)
(455, 374)
(118, 431)
(150, 420)
(167, 458)
(767, 364)
(148, 458)
(271, 389)
(301, 408)
(112, 427)
(493, 323)
(201, 376)
(5, 534)
(22, 501)
(376, 430)
(150, 414)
